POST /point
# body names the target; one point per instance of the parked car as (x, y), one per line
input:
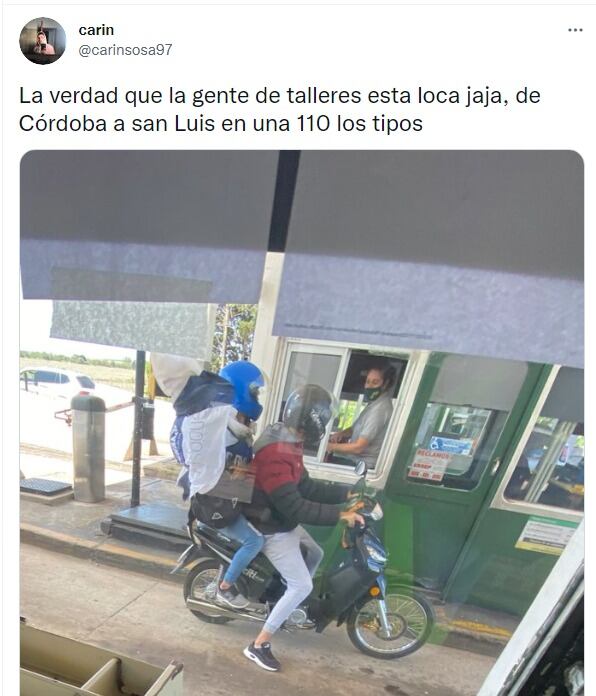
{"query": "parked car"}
(53, 382)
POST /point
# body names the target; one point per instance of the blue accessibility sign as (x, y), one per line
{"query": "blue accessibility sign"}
(451, 445)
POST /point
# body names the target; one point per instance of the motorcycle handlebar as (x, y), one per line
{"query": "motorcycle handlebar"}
(363, 505)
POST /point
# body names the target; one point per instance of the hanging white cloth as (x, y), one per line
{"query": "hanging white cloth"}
(172, 372)
(204, 446)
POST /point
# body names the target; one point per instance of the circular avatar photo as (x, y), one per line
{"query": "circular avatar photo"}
(42, 40)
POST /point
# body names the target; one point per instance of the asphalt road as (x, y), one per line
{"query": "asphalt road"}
(144, 618)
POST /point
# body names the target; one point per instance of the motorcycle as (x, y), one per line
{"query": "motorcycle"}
(381, 622)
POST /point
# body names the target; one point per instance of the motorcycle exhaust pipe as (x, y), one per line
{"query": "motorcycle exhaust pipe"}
(223, 611)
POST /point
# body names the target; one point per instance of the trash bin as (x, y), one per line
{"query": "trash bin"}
(88, 448)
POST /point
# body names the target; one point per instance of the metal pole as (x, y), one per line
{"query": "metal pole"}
(137, 441)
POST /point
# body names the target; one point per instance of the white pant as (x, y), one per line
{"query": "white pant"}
(283, 550)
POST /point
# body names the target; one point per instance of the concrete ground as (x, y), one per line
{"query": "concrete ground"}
(74, 528)
(146, 618)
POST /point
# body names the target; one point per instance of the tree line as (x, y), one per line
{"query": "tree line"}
(232, 340)
(125, 363)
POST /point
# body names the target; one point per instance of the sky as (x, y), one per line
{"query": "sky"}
(35, 324)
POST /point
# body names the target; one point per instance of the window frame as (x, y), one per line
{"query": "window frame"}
(27, 381)
(309, 349)
(499, 501)
(416, 362)
(489, 459)
(424, 487)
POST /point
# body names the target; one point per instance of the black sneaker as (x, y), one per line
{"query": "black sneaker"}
(263, 657)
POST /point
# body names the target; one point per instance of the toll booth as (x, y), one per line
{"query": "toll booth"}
(481, 465)
(463, 269)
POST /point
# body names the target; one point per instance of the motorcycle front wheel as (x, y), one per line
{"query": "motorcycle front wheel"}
(410, 618)
(200, 584)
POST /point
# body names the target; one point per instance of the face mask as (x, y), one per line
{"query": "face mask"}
(371, 393)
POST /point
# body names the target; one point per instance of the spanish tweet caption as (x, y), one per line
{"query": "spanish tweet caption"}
(310, 109)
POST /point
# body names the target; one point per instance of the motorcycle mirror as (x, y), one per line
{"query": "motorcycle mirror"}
(360, 468)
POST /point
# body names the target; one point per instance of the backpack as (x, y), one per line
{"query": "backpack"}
(214, 511)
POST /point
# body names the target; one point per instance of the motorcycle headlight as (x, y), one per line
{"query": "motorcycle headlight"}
(377, 512)
(375, 554)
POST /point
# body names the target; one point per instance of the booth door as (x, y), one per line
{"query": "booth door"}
(467, 416)
(536, 509)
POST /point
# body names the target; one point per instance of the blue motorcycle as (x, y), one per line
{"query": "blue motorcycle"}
(381, 622)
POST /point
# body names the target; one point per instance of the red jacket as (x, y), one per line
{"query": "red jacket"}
(283, 485)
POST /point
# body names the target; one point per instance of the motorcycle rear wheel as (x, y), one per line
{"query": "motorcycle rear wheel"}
(204, 573)
(410, 616)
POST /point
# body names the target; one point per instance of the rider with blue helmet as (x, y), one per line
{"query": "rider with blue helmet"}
(247, 381)
(214, 409)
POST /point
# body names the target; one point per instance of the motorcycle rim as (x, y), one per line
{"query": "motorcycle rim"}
(411, 620)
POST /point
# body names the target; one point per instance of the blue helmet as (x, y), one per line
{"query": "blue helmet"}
(246, 379)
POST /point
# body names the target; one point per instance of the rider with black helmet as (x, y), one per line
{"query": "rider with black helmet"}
(283, 485)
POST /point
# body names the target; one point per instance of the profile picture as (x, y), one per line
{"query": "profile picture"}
(42, 40)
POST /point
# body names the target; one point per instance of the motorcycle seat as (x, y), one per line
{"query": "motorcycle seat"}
(216, 536)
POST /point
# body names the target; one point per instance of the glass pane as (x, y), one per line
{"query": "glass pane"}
(451, 444)
(550, 470)
(463, 420)
(348, 411)
(45, 376)
(310, 368)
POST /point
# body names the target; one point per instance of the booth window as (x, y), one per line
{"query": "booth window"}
(550, 470)
(343, 374)
(358, 418)
(463, 420)
(309, 368)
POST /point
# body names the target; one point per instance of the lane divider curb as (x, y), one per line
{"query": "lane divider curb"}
(98, 551)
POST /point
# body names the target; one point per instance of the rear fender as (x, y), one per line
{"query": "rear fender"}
(187, 557)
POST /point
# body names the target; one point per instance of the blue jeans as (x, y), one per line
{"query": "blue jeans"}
(252, 542)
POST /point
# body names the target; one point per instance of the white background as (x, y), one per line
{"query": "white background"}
(333, 47)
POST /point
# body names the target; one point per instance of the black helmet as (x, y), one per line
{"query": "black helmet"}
(309, 409)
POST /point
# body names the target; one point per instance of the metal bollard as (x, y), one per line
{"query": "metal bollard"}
(88, 448)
